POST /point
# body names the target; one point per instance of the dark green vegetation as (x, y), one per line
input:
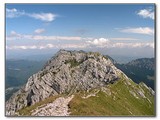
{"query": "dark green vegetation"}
(140, 70)
(117, 100)
(73, 62)
(18, 72)
(95, 53)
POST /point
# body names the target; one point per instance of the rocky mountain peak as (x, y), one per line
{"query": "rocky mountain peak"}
(65, 73)
(63, 56)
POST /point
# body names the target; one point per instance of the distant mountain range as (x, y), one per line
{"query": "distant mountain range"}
(78, 83)
(140, 70)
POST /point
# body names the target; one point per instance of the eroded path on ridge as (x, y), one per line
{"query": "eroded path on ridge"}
(59, 107)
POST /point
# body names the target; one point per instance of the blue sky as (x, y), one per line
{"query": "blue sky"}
(114, 29)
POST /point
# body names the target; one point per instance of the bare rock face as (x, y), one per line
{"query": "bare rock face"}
(57, 108)
(66, 72)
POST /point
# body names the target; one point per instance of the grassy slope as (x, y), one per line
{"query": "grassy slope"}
(119, 103)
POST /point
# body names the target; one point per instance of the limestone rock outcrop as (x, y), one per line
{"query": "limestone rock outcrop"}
(67, 72)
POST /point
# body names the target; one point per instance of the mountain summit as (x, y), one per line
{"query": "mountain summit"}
(72, 76)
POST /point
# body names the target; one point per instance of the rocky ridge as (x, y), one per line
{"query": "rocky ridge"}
(66, 73)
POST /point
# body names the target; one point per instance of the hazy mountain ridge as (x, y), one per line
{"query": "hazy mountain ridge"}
(20, 70)
(70, 72)
(147, 63)
(140, 70)
(17, 73)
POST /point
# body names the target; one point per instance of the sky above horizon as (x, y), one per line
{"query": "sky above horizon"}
(114, 29)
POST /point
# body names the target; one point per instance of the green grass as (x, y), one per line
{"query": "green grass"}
(120, 103)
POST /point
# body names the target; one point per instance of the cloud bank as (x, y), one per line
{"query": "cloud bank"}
(106, 43)
(46, 46)
(139, 30)
(95, 43)
(16, 36)
(123, 39)
(98, 42)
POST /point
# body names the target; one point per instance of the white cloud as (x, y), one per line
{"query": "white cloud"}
(146, 13)
(99, 42)
(16, 36)
(133, 45)
(25, 47)
(46, 46)
(83, 42)
(11, 10)
(39, 31)
(46, 17)
(139, 30)
(123, 39)
(106, 43)
(74, 46)
(12, 13)
(82, 46)
(40, 37)
(21, 47)
(13, 33)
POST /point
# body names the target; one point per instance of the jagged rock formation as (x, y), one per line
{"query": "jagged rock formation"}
(67, 72)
